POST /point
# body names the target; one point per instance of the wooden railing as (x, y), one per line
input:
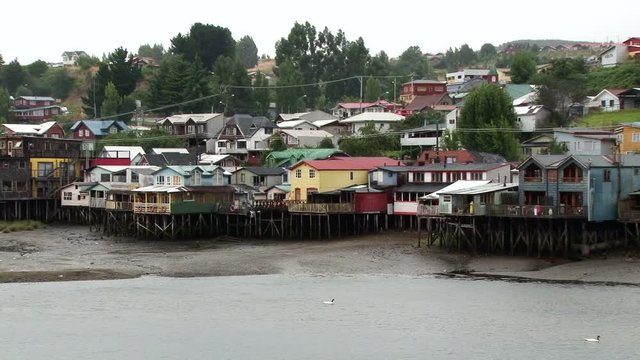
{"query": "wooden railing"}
(119, 205)
(151, 208)
(629, 211)
(562, 211)
(97, 202)
(322, 208)
(533, 179)
(428, 210)
(270, 204)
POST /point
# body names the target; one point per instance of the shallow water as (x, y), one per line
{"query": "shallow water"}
(283, 317)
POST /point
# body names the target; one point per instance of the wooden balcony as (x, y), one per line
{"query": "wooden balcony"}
(151, 208)
(330, 208)
(119, 205)
(428, 210)
(543, 211)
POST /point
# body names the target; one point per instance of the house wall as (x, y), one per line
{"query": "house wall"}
(303, 182)
(245, 177)
(614, 56)
(271, 193)
(370, 202)
(82, 132)
(383, 127)
(608, 98)
(626, 139)
(77, 199)
(581, 146)
(383, 178)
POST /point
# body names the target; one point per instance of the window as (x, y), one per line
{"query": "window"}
(242, 144)
(168, 180)
(222, 144)
(135, 177)
(299, 173)
(636, 137)
(607, 176)
(312, 174)
(113, 129)
(603, 103)
(230, 131)
(68, 195)
(258, 181)
(190, 129)
(351, 175)
(268, 130)
(160, 180)
(477, 176)
(436, 177)
(611, 102)
(105, 177)
(418, 177)
(285, 177)
(86, 133)
(197, 178)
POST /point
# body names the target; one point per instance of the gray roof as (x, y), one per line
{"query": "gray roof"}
(445, 167)
(264, 171)
(421, 187)
(171, 159)
(248, 124)
(37, 98)
(100, 127)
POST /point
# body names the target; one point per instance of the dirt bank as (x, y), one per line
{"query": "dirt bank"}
(73, 253)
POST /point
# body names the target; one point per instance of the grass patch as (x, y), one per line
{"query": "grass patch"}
(22, 225)
(611, 118)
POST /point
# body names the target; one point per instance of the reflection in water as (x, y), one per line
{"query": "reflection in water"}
(283, 317)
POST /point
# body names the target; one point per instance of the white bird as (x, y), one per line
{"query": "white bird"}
(597, 339)
(328, 302)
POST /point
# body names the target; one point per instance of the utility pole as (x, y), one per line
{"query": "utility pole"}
(95, 112)
(361, 94)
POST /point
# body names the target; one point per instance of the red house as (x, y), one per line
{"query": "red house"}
(97, 129)
(35, 109)
(421, 87)
(49, 129)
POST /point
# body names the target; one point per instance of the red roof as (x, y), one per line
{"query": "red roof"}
(616, 92)
(444, 107)
(355, 105)
(350, 163)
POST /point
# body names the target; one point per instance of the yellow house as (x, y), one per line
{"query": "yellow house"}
(628, 138)
(311, 176)
(48, 174)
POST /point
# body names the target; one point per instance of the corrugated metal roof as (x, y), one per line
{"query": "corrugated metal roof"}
(348, 163)
(374, 116)
(456, 186)
(480, 189)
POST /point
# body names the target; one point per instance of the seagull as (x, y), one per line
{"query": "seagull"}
(597, 339)
(328, 302)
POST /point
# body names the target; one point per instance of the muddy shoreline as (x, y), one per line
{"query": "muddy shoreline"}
(68, 253)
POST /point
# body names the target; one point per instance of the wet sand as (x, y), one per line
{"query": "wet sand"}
(60, 253)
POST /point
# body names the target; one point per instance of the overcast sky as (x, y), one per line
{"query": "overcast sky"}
(38, 29)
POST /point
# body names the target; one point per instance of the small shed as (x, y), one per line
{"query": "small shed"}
(474, 200)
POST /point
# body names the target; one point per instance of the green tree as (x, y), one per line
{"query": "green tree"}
(5, 105)
(155, 52)
(59, 81)
(262, 93)
(487, 51)
(624, 76)
(95, 91)
(370, 142)
(247, 51)
(209, 42)
(411, 62)
(523, 67)
(276, 143)
(373, 89)
(13, 76)
(124, 73)
(450, 140)
(112, 101)
(562, 86)
(466, 55)
(487, 121)
(419, 119)
(196, 86)
(87, 62)
(154, 138)
(37, 68)
(287, 98)
(556, 148)
(326, 143)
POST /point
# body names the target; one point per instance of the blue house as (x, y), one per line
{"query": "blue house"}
(191, 175)
(96, 129)
(581, 186)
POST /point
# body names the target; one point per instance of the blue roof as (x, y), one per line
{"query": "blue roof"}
(100, 127)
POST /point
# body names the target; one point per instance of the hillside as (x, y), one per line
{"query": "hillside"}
(546, 42)
(610, 118)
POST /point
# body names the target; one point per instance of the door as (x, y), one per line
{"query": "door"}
(297, 194)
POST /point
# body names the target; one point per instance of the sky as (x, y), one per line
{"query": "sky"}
(100, 27)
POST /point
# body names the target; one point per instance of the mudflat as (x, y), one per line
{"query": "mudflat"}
(63, 253)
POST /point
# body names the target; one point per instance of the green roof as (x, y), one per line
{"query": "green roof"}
(292, 156)
(518, 90)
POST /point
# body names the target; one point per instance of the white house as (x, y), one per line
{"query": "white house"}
(76, 194)
(586, 141)
(382, 121)
(70, 57)
(532, 117)
(297, 125)
(614, 55)
(606, 100)
(134, 153)
(302, 138)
